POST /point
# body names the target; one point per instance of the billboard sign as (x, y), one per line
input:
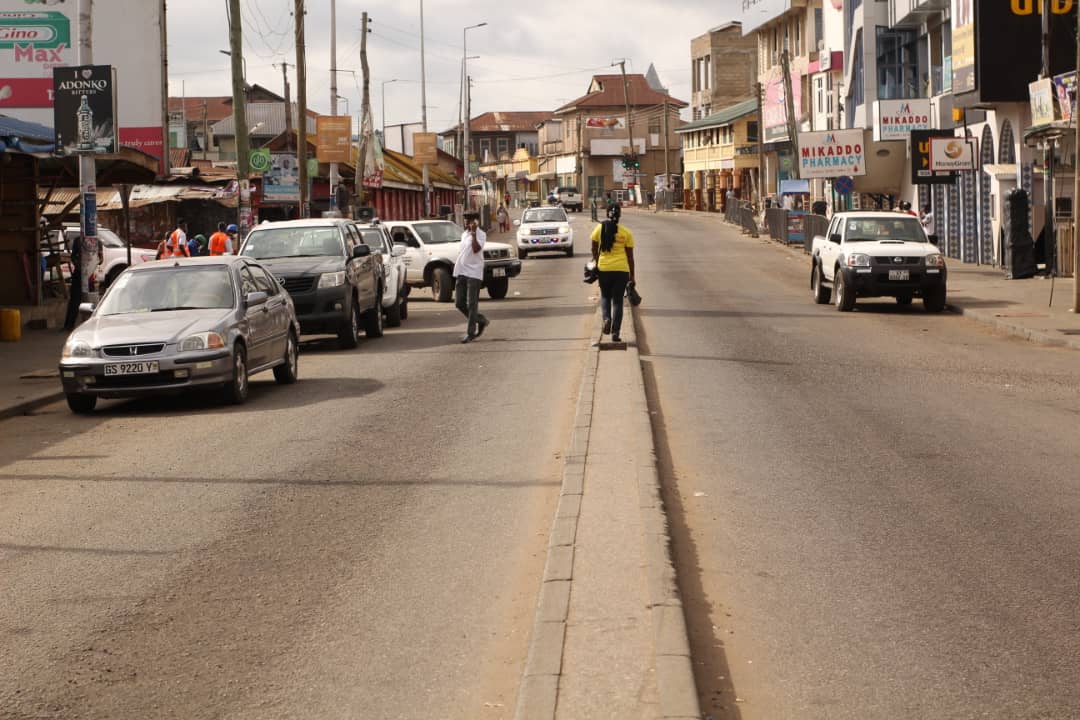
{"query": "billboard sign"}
(1041, 93)
(895, 119)
(963, 46)
(425, 148)
(952, 154)
(921, 174)
(774, 105)
(281, 183)
(1065, 90)
(606, 123)
(37, 37)
(831, 153)
(84, 109)
(333, 134)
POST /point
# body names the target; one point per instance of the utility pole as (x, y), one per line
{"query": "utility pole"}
(793, 138)
(87, 161)
(365, 111)
(240, 128)
(629, 118)
(1048, 176)
(301, 109)
(288, 106)
(760, 150)
(467, 144)
(667, 155)
(1076, 205)
(205, 131)
(423, 114)
(581, 156)
(334, 179)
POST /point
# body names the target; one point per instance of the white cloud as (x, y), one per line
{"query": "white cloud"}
(533, 58)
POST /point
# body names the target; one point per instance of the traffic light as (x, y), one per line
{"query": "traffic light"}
(637, 162)
(626, 162)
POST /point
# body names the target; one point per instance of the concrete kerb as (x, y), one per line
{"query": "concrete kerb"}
(23, 407)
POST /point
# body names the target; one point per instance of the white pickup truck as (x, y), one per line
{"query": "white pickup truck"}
(876, 254)
(569, 198)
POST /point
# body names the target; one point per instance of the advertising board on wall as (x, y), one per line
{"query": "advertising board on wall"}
(963, 46)
(831, 153)
(953, 154)
(921, 174)
(606, 123)
(1041, 93)
(36, 38)
(281, 182)
(333, 134)
(84, 109)
(895, 119)
(774, 105)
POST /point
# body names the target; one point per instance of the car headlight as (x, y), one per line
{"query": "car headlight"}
(564, 229)
(333, 279)
(202, 341)
(858, 260)
(77, 349)
(935, 260)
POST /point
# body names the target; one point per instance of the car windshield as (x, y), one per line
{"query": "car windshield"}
(373, 238)
(872, 229)
(539, 215)
(284, 242)
(170, 288)
(437, 233)
(568, 189)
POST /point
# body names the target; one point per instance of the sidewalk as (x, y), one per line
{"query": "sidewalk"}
(36, 355)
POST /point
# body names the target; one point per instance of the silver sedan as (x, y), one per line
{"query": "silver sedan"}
(172, 325)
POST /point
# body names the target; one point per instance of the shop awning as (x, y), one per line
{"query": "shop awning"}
(794, 187)
(886, 165)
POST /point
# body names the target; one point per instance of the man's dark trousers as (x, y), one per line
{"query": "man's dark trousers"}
(467, 300)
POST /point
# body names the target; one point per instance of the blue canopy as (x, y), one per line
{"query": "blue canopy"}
(794, 187)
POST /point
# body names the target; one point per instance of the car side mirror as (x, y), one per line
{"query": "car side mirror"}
(254, 299)
(932, 239)
(517, 222)
(398, 250)
(361, 251)
(835, 238)
(86, 308)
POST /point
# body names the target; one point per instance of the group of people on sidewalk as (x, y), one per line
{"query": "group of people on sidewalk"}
(178, 244)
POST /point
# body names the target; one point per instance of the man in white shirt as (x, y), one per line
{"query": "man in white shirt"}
(469, 274)
(928, 223)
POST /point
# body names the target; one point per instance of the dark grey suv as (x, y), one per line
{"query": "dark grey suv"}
(334, 279)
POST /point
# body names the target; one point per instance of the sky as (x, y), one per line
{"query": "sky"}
(538, 57)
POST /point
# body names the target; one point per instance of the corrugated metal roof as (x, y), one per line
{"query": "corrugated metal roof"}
(724, 117)
(270, 115)
(607, 91)
(26, 130)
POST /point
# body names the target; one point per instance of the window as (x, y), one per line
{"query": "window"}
(897, 64)
(247, 281)
(485, 148)
(596, 185)
(751, 131)
(503, 146)
(263, 281)
(707, 67)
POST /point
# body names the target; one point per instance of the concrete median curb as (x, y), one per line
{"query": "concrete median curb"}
(23, 407)
(539, 690)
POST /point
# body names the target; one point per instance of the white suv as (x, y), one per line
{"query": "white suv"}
(431, 248)
(544, 228)
(395, 291)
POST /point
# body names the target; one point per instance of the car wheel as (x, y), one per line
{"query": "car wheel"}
(522, 253)
(287, 372)
(393, 313)
(934, 301)
(817, 287)
(903, 299)
(570, 251)
(404, 308)
(845, 296)
(81, 404)
(236, 391)
(442, 285)
(349, 336)
(112, 276)
(497, 288)
(373, 320)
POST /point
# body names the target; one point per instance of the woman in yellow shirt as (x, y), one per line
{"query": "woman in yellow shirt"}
(613, 251)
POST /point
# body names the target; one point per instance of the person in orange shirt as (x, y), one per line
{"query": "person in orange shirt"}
(178, 246)
(220, 243)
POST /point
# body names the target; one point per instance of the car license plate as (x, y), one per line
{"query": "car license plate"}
(498, 272)
(143, 367)
(899, 275)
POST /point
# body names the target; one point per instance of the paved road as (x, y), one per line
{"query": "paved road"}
(366, 543)
(875, 512)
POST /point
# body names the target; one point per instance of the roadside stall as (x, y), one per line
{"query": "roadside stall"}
(795, 197)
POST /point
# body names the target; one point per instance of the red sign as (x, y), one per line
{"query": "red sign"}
(26, 92)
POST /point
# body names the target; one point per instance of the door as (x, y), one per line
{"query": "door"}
(363, 272)
(414, 259)
(277, 312)
(258, 320)
(830, 249)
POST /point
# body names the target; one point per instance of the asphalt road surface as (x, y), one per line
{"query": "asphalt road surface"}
(875, 513)
(367, 543)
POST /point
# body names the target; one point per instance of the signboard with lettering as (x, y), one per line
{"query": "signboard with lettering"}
(953, 154)
(921, 174)
(831, 153)
(963, 46)
(84, 112)
(281, 182)
(425, 148)
(895, 119)
(774, 105)
(332, 137)
(1041, 93)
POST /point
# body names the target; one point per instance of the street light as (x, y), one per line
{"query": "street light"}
(465, 92)
(384, 84)
(242, 59)
(342, 97)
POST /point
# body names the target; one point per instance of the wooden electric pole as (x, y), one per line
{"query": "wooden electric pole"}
(760, 150)
(240, 127)
(365, 111)
(288, 106)
(301, 108)
(792, 121)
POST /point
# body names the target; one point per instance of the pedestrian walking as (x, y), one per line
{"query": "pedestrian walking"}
(220, 242)
(928, 223)
(468, 274)
(503, 217)
(196, 245)
(177, 245)
(613, 251)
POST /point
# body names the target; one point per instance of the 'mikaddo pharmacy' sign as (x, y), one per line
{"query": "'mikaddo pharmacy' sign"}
(831, 154)
(895, 119)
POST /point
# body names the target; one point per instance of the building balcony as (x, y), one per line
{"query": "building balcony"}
(912, 13)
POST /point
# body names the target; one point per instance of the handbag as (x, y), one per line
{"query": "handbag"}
(632, 294)
(591, 273)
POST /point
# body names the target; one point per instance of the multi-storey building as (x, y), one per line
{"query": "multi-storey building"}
(723, 69)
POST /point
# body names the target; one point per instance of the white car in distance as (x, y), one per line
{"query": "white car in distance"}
(543, 229)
